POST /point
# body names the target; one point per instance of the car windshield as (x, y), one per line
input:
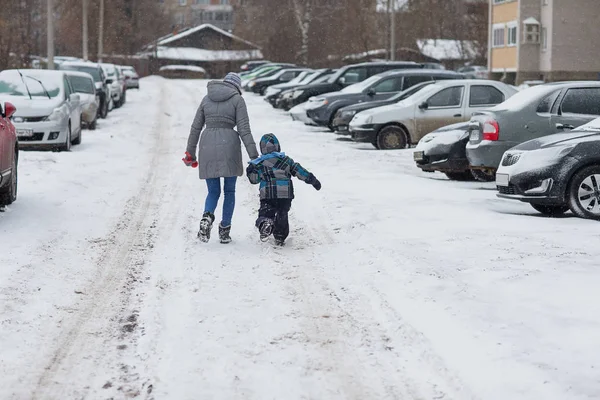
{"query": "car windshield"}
(110, 70)
(525, 97)
(93, 71)
(361, 86)
(299, 78)
(322, 79)
(12, 84)
(82, 84)
(410, 91)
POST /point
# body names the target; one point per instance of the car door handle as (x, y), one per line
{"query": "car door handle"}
(457, 115)
(564, 126)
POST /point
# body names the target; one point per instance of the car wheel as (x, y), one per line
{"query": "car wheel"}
(584, 193)
(550, 211)
(460, 176)
(78, 140)
(9, 195)
(391, 138)
(124, 98)
(483, 176)
(92, 126)
(67, 145)
(104, 111)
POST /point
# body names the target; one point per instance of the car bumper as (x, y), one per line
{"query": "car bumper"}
(443, 157)
(487, 154)
(544, 184)
(300, 115)
(364, 133)
(133, 84)
(342, 125)
(42, 133)
(319, 115)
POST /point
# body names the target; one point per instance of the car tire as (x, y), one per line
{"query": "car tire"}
(392, 138)
(93, 125)
(67, 145)
(9, 194)
(104, 110)
(124, 99)
(482, 176)
(584, 193)
(77, 141)
(550, 211)
(460, 176)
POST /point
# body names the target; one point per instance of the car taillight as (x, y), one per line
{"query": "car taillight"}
(491, 130)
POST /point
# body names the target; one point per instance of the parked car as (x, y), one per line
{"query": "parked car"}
(322, 109)
(114, 85)
(131, 77)
(48, 109)
(264, 69)
(285, 98)
(346, 76)
(83, 84)
(272, 92)
(538, 111)
(341, 122)
(268, 72)
(260, 85)
(250, 65)
(442, 103)
(96, 71)
(123, 82)
(9, 156)
(474, 72)
(433, 65)
(555, 173)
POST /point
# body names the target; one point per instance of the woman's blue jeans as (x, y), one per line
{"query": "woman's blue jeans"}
(214, 192)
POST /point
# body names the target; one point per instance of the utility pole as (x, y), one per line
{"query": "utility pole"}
(85, 29)
(50, 34)
(101, 31)
(392, 30)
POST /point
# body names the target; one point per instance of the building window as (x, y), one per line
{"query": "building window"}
(180, 19)
(202, 1)
(224, 1)
(498, 36)
(512, 34)
(544, 38)
(499, 1)
(183, 2)
(545, 2)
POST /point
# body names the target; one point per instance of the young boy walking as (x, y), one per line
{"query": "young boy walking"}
(274, 170)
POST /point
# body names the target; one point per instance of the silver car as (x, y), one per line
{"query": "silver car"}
(48, 109)
(83, 84)
(443, 103)
(113, 83)
(532, 113)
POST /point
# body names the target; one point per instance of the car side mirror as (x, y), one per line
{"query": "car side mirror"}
(74, 97)
(342, 81)
(371, 92)
(424, 105)
(9, 109)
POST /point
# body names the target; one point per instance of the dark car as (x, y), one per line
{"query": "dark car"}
(322, 109)
(343, 117)
(9, 156)
(273, 93)
(250, 65)
(261, 72)
(96, 71)
(284, 75)
(555, 173)
(346, 76)
(534, 112)
(285, 99)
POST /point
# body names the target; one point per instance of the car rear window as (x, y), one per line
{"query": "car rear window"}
(81, 84)
(93, 71)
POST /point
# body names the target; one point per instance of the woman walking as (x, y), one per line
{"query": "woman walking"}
(220, 153)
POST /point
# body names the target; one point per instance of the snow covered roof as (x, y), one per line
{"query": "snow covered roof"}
(192, 68)
(190, 31)
(447, 49)
(195, 54)
(531, 21)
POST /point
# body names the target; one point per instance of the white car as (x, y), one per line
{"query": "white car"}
(113, 83)
(48, 109)
(131, 77)
(83, 84)
(443, 103)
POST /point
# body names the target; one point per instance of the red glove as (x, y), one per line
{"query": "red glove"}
(189, 160)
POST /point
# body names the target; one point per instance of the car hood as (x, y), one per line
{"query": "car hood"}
(566, 138)
(336, 96)
(367, 105)
(285, 86)
(447, 135)
(320, 87)
(38, 107)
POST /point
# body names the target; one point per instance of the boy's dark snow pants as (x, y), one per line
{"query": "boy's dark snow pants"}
(277, 211)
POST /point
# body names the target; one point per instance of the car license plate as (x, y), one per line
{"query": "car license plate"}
(474, 135)
(24, 132)
(502, 179)
(418, 155)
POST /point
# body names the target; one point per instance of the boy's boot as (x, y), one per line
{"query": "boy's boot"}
(279, 242)
(266, 229)
(224, 234)
(206, 226)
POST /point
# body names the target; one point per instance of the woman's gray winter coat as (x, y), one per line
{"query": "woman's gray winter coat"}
(220, 153)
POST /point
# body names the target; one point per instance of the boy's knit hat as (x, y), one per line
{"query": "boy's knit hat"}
(269, 144)
(235, 80)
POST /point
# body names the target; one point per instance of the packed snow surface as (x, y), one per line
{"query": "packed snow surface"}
(394, 284)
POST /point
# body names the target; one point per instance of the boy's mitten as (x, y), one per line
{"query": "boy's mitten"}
(250, 169)
(314, 181)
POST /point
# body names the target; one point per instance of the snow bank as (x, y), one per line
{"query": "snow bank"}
(446, 49)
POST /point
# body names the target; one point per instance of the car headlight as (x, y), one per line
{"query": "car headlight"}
(57, 115)
(297, 93)
(316, 103)
(348, 114)
(252, 84)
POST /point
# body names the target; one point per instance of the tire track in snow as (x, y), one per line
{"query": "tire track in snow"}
(81, 348)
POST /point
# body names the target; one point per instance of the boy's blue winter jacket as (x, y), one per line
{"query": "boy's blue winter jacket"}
(274, 170)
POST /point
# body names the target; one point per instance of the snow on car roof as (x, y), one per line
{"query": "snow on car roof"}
(79, 73)
(193, 68)
(80, 64)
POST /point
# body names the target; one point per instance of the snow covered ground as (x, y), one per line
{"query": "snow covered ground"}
(395, 284)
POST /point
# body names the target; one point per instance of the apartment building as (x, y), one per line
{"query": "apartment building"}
(185, 13)
(550, 40)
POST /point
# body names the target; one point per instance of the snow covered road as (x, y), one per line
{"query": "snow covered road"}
(394, 284)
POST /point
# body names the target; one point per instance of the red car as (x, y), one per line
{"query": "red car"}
(9, 156)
